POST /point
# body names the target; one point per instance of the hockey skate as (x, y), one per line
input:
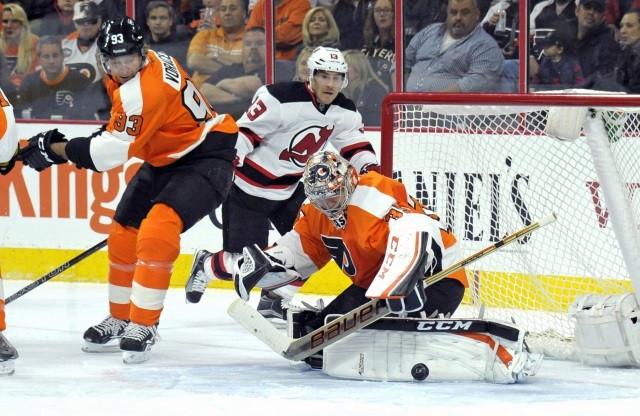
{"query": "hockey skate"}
(7, 356)
(271, 307)
(104, 337)
(137, 341)
(198, 280)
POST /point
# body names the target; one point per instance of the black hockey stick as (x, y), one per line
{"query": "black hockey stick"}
(300, 348)
(56, 272)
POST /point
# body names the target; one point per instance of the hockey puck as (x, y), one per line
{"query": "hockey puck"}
(420, 372)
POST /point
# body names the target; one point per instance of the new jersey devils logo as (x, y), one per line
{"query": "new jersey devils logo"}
(306, 143)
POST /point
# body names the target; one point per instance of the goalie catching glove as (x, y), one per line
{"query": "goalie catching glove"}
(38, 153)
(262, 269)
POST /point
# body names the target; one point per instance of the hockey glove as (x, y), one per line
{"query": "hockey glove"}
(38, 153)
(7, 166)
(413, 302)
(257, 268)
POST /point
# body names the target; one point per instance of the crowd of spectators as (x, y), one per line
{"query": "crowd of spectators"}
(449, 45)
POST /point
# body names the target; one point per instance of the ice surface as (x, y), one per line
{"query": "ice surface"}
(207, 364)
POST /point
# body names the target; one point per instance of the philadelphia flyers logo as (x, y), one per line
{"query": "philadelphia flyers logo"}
(305, 143)
(340, 253)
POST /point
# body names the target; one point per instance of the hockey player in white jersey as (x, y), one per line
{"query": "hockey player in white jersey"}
(286, 124)
(8, 157)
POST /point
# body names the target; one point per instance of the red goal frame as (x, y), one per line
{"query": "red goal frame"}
(517, 100)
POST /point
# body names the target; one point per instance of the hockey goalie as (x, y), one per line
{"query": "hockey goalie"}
(386, 242)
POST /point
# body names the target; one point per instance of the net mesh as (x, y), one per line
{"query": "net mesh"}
(489, 171)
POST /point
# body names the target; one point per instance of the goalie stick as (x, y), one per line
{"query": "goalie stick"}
(297, 349)
(55, 272)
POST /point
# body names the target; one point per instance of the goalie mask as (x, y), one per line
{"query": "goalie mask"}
(329, 182)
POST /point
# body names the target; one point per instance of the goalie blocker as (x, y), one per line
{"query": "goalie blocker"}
(431, 350)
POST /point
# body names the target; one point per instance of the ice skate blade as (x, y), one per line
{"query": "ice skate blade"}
(7, 368)
(136, 357)
(112, 346)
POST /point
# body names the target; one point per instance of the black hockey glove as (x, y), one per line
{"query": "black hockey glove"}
(7, 166)
(38, 153)
(413, 302)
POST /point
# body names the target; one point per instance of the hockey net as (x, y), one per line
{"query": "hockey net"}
(487, 165)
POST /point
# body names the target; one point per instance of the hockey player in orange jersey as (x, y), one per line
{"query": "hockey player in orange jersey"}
(157, 115)
(8, 157)
(361, 222)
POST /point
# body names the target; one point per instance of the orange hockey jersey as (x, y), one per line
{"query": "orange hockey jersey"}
(359, 248)
(8, 130)
(157, 116)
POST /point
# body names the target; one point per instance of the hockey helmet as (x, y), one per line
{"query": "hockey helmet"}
(327, 59)
(120, 37)
(329, 182)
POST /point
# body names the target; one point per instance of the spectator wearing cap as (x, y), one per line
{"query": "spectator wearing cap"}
(80, 47)
(163, 36)
(596, 49)
(59, 22)
(558, 69)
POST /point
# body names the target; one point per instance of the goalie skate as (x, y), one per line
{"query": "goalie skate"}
(137, 341)
(271, 307)
(104, 337)
(7, 356)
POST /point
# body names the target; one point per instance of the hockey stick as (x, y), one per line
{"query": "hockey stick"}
(55, 272)
(300, 348)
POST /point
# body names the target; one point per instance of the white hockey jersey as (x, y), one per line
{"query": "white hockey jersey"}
(84, 62)
(8, 130)
(284, 127)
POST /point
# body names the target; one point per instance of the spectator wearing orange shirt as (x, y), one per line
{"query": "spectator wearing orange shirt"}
(18, 43)
(289, 15)
(212, 49)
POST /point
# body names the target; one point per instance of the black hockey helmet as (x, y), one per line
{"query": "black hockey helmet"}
(120, 37)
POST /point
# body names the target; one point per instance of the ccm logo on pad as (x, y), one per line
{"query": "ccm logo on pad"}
(452, 325)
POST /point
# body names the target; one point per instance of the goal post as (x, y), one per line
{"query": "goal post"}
(489, 164)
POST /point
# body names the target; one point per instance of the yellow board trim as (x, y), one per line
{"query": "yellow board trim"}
(31, 264)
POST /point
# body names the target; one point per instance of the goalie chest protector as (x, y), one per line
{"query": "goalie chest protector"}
(607, 329)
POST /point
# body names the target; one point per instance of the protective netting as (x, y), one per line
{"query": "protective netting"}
(489, 171)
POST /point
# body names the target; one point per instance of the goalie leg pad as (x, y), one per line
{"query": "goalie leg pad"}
(607, 329)
(389, 355)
